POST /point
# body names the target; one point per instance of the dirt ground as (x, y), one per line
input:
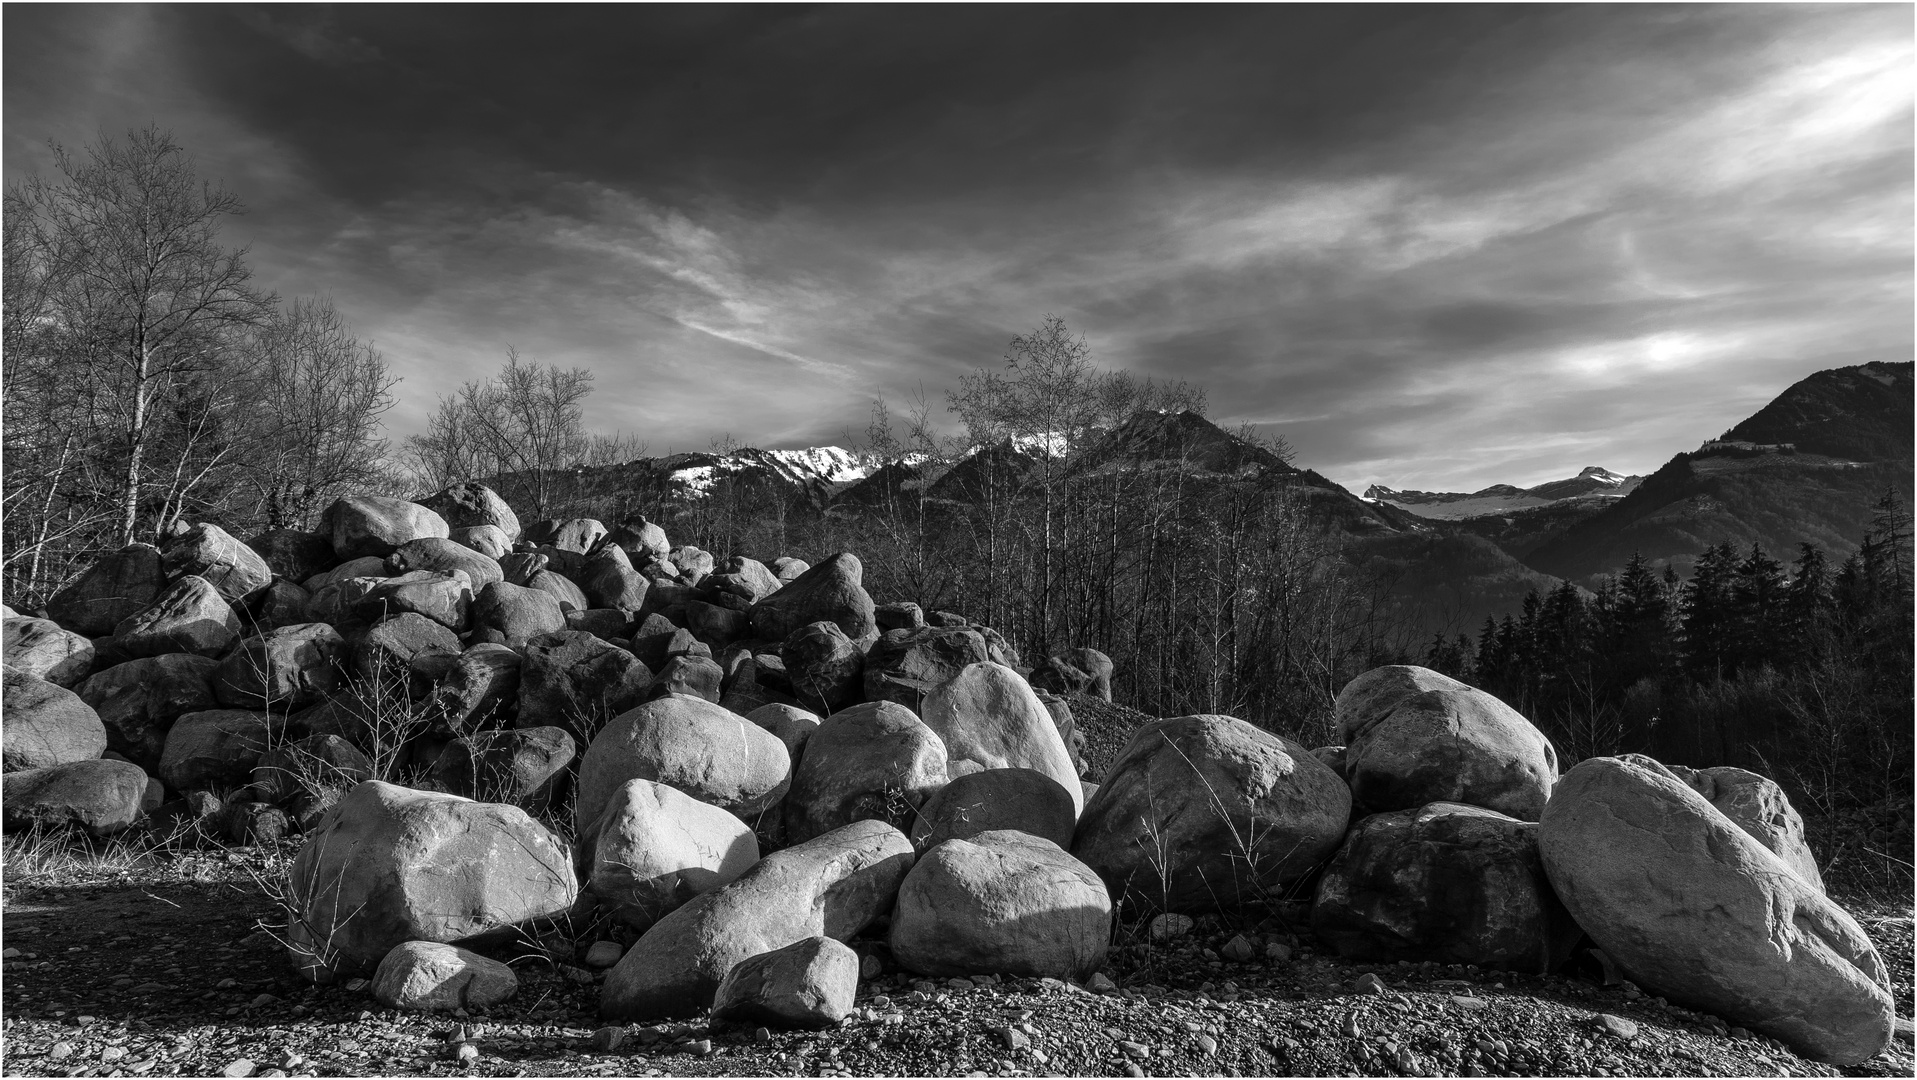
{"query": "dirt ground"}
(162, 970)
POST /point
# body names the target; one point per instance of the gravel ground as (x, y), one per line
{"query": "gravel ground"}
(161, 970)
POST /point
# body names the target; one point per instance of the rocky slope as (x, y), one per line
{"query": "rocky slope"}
(1589, 489)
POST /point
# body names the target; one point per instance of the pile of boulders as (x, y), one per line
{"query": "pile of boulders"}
(757, 764)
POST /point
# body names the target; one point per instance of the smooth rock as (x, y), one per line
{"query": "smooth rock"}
(654, 848)
(285, 669)
(39, 647)
(363, 525)
(139, 700)
(831, 591)
(833, 885)
(989, 716)
(904, 666)
(519, 766)
(874, 760)
(43, 724)
(216, 749)
(516, 613)
(1693, 908)
(995, 799)
(189, 616)
(429, 975)
(114, 587)
(575, 680)
(715, 756)
(99, 797)
(1001, 903)
(1206, 813)
(810, 983)
(210, 552)
(472, 505)
(1413, 736)
(390, 865)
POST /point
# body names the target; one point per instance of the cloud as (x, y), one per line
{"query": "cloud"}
(1435, 247)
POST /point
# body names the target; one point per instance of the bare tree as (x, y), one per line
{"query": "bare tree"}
(521, 427)
(317, 395)
(139, 289)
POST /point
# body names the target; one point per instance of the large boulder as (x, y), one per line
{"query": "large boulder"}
(906, 665)
(1695, 909)
(810, 983)
(1413, 736)
(427, 975)
(1078, 671)
(216, 749)
(39, 647)
(1067, 725)
(745, 579)
(874, 760)
(140, 699)
(692, 564)
(294, 554)
(190, 616)
(362, 525)
(1447, 882)
(607, 580)
(390, 865)
(284, 669)
(1002, 903)
(823, 666)
(789, 724)
(487, 540)
(516, 614)
(114, 587)
(316, 765)
(833, 885)
(715, 756)
(364, 566)
(43, 724)
(561, 588)
(655, 847)
(829, 592)
(99, 797)
(210, 552)
(995, 799)
(443, 556)
(281, 604)
(391, 649)
(692, 675)
(989, 718)
(444, 598)
(481, 685)
(641, 540)
(579, 682)
(469, 505)
(520, 766)
(1759, 807)
(1207, 813)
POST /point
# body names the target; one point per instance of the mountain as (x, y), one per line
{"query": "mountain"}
(1503, 498)
(1808, 467)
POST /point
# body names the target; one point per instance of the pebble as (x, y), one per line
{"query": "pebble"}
(113, 1053)
(1904, 1030)
(465, 1052)
(1238, 950)
(1137, 1050)
(1100, 983)
(242, 1067)
(607, 1039)
(60, 1051)
(870, 967)
(1207, 1045)
(1132, 1069)
(1351, 1025)
(1278, 952)
(1616, 1025)
(603, 954)
(1370, 983)
(1014, 1038)
(699, 1047)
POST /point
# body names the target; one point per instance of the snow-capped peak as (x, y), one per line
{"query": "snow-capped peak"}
(836, 464)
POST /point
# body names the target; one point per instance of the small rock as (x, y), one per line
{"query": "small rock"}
(1014, 1038)
(225, 984)
(113, 1053)
(242, 1067)
(1170, 925)
(1370, 984)
(1351, 1025)
(603, 954)
(1100, 984)
(60, 1051)
(607, 1039)
(1132, 1069)
(1238, 950)
(870, 967)
(1278, 952)
(1904, 1030)
(649, 1034)
(1616, 1025)
(465, 1053)
(1137, 1050)
(271, 1074)
(699, 1047)
(1207, 1045)
(262, 1001)
(761, 1035)
(355, 985)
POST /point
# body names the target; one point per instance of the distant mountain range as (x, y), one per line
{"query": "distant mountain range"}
(1806, 467)
(1503, 498)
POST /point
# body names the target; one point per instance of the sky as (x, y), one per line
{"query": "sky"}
(1433, 247)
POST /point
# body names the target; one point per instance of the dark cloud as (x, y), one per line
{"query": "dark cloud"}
(1435, 246)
